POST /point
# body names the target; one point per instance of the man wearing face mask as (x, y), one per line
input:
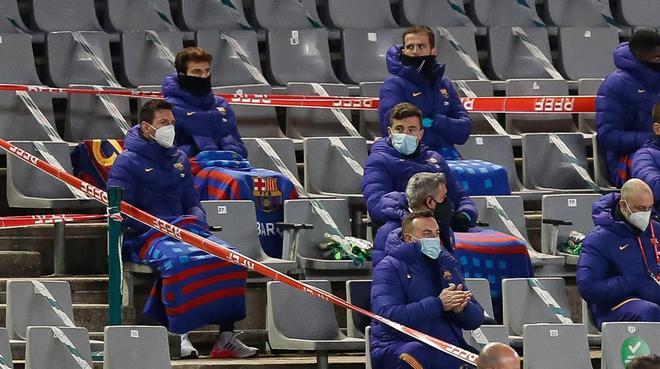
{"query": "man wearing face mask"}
(619, 267)
(646, 162)
(156, 178)
(205, 122)
(396, 158)
(417, 78)
(420, 285)
(625, 100)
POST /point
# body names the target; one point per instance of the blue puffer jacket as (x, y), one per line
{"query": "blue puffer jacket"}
(437, 101)
(646, 166)
(623, 108)
(611, 269)
(387, 170)
(405, 289)
(202, 122)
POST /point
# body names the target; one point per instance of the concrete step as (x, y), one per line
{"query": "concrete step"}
(20, 264)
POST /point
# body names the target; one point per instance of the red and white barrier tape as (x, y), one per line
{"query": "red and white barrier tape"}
(30, 220)
(227, 254)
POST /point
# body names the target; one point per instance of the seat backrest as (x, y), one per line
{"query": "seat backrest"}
(546, 122)
(143, 62)
(44, 351)
(25, 307)
(638, 12)
(302, 123)
(88, 118)
(285, 14)
(307, 49)
(556, 346)
(578, 13)
(574, 207)
(512, 205)
(368, 14)
(138, 15)
(588, 86)
(17, 59)
(300, 211)
(63, 15)
(229, 66)
(212, 15)
(364, 51)
(18, 123)
(134, 346)
(11, 18)
(367, 348)
(299, 315)
(238, 220)
(600, 165)
(521, 305)
(506, 13)
(431, 13)
(326, 168)
(358, 293)
(480, 289)
(69, 64)
(5, 349)
(455, 67)
(586, 52)
(284, 148)
(481, 88)
(369, 119)
(623, 341)
(510, 58)
(496, 149)
(254, 121)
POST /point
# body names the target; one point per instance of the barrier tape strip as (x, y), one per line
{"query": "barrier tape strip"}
(98, 62)
(531, 9)
(467, 59)
(73, 350)
(347, 156)
(41, 289)
(3, 363)
(460, 12)
(490, 118)
(343, 119)
(241, 21)
(492, 202)
(570, 156)
(313, 21)
(604, 10)
(113, 110)
(242, 54)
(161, 14)
(537, 53)
(549, 301)
(52, 160)
(229, 255)
(30, 220)
(39, 116)
(155, 38)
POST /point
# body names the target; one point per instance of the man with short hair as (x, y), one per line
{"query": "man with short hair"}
(645, 362)
(619, 266)
(194, 288)
(646, 162)
(496, 355)
(420, 285)
(417, 78)
(624, 102)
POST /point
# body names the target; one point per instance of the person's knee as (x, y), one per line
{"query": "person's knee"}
(648, 311)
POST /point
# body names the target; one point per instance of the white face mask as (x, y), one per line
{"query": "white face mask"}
(164, 136)
(639, 219)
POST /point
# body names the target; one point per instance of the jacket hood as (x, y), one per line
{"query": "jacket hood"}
(172, 90)
(149, 149)
(625, 60)
(395, 67)
(602, 211)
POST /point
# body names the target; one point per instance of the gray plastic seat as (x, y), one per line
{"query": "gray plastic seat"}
(600, 166)
(588, 86)
(307, 49)
(18, 123)
(512, 205)
(68, 64)
(136, 346)
(364, 51)
(88, 118)
(506, 13)
(639, 13)
(367, 348)
(284, 147)
(143, 62)
(29, 187)
(369, 119)
(11, 21)
(587, 52)
(556, 346)
(285, 14)
(368, 14)
(496, 149)
(301, 123)
(577, 13)
(138, 15)
(480, 289)
(431, 13)
(229, 67)
(327, 172)
(546, 122)
(238, 220)
(17, 59)
(358, 293)
(5, 349)
(615, 335)
(456, 67)
(44, 351)
(509, 58)
(212, 15)
(481, 88)
(63, 15)
(254, 121)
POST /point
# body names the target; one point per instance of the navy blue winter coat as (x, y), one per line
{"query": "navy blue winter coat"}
(405, 288)
(611, 269)
(437, 101)
(623, 108)
(646, 166)
(202, 122)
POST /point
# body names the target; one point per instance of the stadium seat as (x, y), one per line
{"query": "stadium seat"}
(88, 117)
(367, 14)
(496, 149)
(358, 293)
(586, 319)
(364, 52)
(432, 13)
(299, 56)
(284, 147)
(522, 306)
(578, 13)
(5, 349)
(455, 67)
(301, 123)
(285, 14)
(17, 121)
(138, 15)
(638, 13)
(587, 52)
(238, 220)
(534, 122)
(600, 166)
(69, 64)
(480, 289)
(367, 350)
(630, 338)
(233, 63)
(329, 172)
(506, 13)
(198, 15)
(556, 346)
(481, 88)
(63, 15)
(143, 62)
(510, 58)
(369, 119)
(298, 321)
(588, 86)
(11, 21)
(254, 121)
(17, 59)
(44, 351)
(512, 205)
(136, 346)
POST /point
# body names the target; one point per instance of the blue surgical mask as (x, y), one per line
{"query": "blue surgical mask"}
(403, 143)
(430, 247)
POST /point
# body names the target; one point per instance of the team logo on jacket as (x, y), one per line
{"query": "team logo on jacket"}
(447, 275)
(267, 195)
(444, 93)
(222, 110)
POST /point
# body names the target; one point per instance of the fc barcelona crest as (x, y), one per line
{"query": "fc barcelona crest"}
(267, 195)
(444, 93)
(447, 275)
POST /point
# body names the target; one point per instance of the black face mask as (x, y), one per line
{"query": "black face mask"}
(653, 66)
(425, 65)
(197, 86)
(443, 212)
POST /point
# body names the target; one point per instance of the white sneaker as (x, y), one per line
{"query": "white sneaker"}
(188, 351)
(229, 346)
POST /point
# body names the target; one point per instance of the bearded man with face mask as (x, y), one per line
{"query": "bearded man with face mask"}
(619, 267)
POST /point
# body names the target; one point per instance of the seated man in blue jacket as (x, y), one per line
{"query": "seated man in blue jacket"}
(203, 121)
(619, 267)
(646, 162)
(420, 285)
(396, 158)
(417, 78)
(194, 288)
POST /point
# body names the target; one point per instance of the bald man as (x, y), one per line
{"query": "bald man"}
(496, 355)
(619, 267)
